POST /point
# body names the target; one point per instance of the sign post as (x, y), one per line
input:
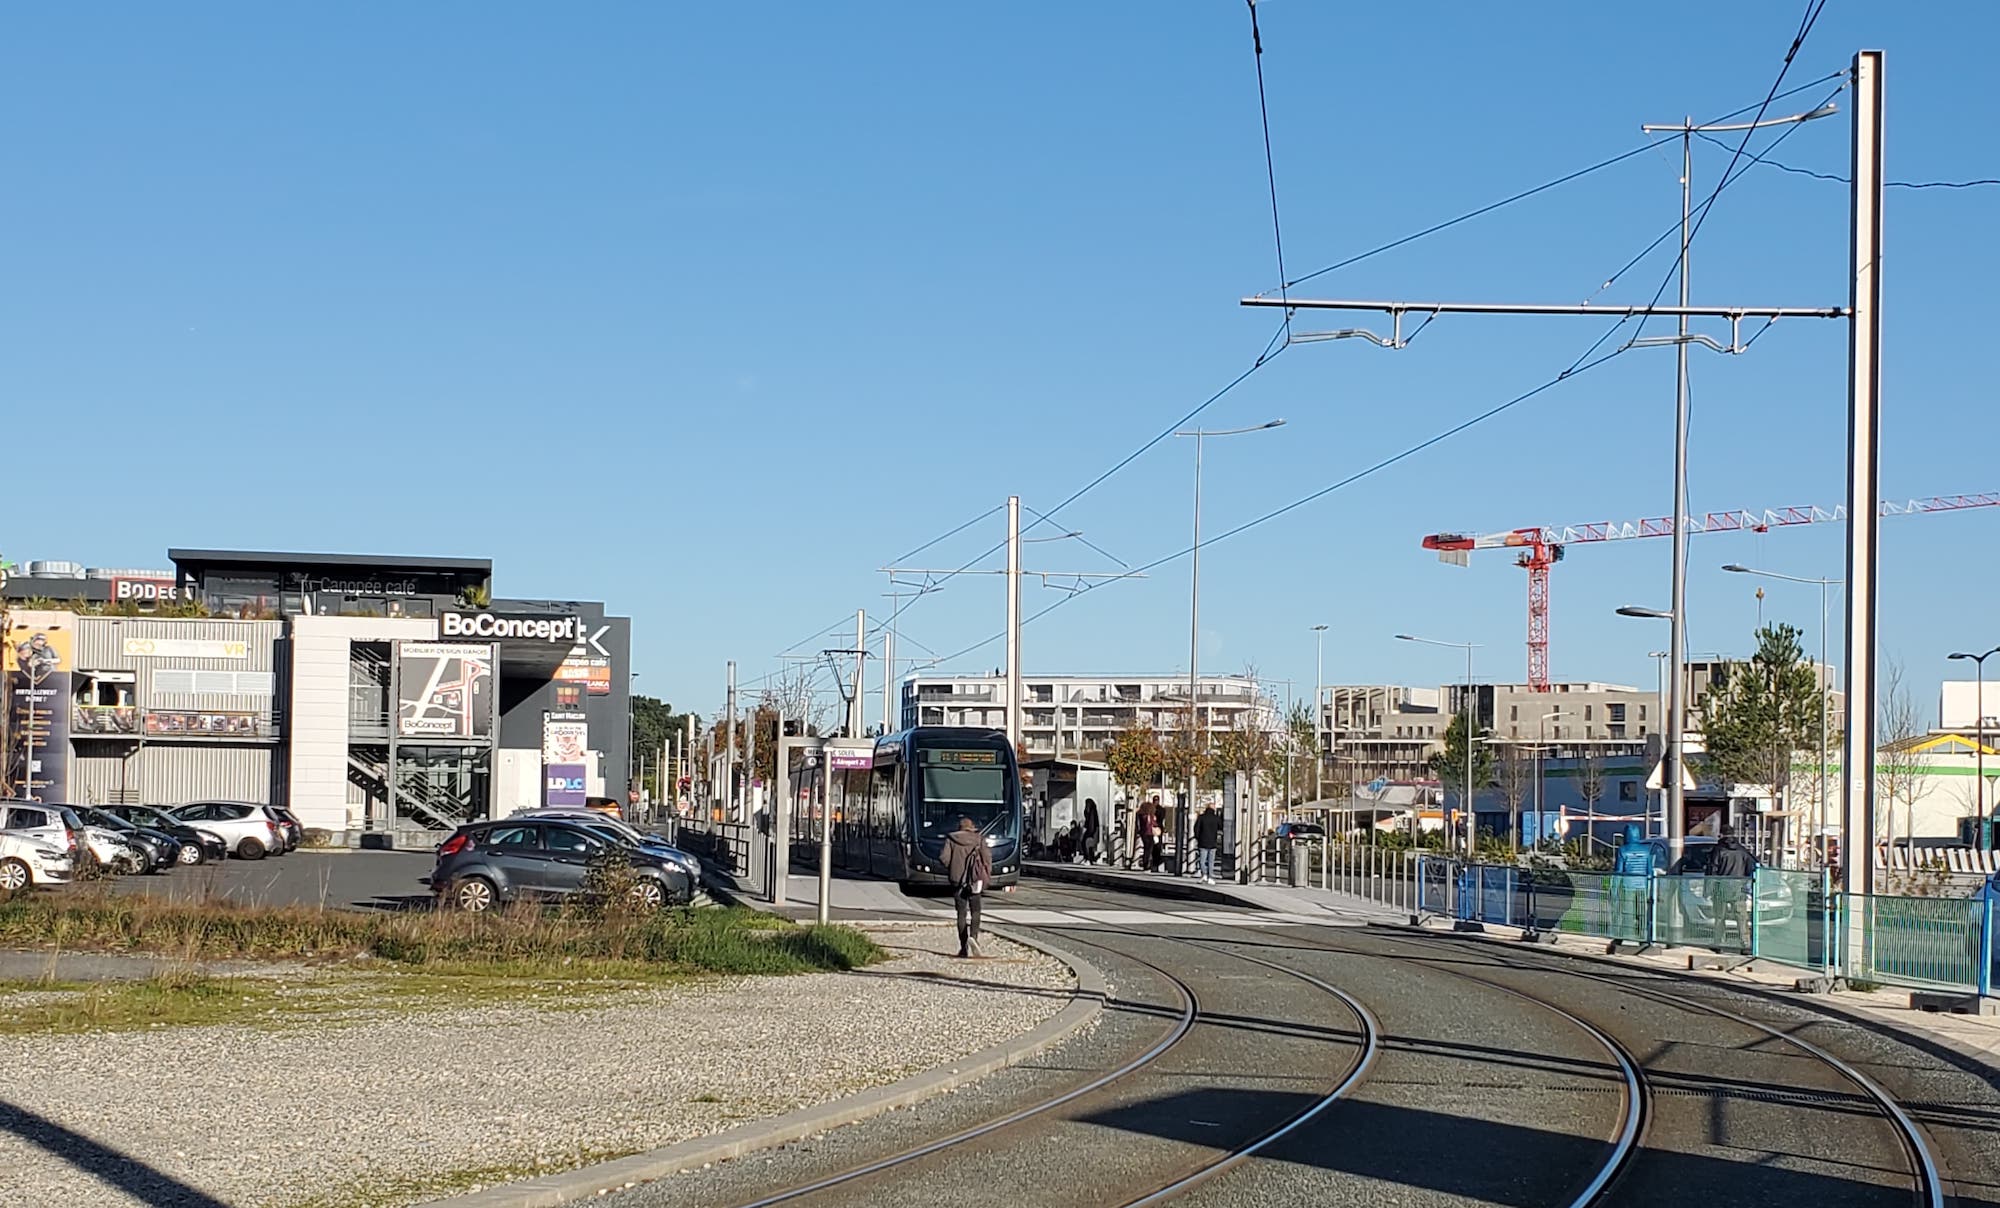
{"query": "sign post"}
(841, 758)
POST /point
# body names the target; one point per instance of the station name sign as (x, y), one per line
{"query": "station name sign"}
(490, 625)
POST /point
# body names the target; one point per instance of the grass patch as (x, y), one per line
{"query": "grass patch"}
(522, 942)
(167, 1000)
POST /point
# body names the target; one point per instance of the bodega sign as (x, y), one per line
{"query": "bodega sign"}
(486, 625)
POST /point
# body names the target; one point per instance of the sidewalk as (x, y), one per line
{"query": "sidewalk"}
(855, 898)
(1279, 899)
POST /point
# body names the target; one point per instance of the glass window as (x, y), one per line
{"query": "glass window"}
(514, 836)
(971, 781)
(20, 819)
(562, 839)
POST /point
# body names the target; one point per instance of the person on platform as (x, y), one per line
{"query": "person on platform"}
(968, 866)
(1207, 838)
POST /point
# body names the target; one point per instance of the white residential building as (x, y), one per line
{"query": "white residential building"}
(1087, 711)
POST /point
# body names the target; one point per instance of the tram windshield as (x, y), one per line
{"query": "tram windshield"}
(966, 781)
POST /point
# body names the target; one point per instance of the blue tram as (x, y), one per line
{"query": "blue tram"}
(891, 819)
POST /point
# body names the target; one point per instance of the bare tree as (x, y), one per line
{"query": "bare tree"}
(1899, 771)
(791, 694)
(1590, 782)
(1514, 772)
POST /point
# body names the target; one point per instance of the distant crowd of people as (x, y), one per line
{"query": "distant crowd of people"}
(1141, 845)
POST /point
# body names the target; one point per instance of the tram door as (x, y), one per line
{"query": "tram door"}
(885, 816)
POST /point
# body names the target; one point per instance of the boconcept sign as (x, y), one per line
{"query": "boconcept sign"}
(487, 625)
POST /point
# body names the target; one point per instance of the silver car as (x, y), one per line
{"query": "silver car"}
(251, 831)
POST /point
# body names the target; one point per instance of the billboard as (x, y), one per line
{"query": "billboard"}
(444, 690)
(593, 672)
(39, 657)
(565, 758)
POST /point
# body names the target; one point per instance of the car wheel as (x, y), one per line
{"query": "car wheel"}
(15, 876)
(648, 894)
(250, 849)
(190, 853)
(126, 864)
(474, 895)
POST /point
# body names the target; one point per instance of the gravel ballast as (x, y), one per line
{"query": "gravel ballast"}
(389, 1108)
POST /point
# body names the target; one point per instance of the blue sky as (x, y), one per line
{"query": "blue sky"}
(712, 311)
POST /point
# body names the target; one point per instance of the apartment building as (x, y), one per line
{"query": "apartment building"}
(1084, 713)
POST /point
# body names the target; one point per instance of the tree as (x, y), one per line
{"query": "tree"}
(1302, 754)
(1448, 766)
(1135, 758)
(1899, 770)
(1590, 780)
(1762, 712)
(1514, 772)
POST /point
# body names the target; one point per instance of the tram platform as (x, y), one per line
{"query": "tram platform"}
(1278, 899)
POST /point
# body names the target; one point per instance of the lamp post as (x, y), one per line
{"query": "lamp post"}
(1319, 690)
(1542, 732)
(1979, 662)
(1194, 624)
(1465, 802)
(1673, 797)
(1824, 687)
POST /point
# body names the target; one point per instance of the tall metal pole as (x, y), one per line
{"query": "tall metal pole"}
(855, 724)
(1825, 690)
(1194, 661)
(1319, 690)
(889, 720)
(729, 758)
(1670, 766)
(1013, 677)
(1979, 791)
(1864, 411)
(1471, 819)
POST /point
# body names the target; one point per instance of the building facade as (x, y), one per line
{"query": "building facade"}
(370, 694)
(1082, 714)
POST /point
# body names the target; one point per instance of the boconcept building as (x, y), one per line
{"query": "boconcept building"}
(371, 695)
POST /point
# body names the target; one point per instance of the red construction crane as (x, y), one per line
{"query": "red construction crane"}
(1542, 548)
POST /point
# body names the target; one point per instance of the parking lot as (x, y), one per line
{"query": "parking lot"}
(366, 880)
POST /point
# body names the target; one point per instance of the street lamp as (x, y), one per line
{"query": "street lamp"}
(1825, 670)
(1542, 731)
(1319, 690)
(1979, 661)
(1465, 803)
(1194, 622)
(1673, 801)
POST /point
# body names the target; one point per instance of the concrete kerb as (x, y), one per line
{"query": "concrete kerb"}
(587, 1182)
(1947, 1048)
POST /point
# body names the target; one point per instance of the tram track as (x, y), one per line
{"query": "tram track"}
(1191, 1016)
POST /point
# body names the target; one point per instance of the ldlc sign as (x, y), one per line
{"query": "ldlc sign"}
(487, 625)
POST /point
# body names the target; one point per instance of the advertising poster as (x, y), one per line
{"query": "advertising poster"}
(40, 654)
(593, 672)
(444, 690)
(565, 758)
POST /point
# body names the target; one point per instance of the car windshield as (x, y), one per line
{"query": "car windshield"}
(112, 821)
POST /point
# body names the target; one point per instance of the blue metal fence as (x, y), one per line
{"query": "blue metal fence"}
(1793, 918)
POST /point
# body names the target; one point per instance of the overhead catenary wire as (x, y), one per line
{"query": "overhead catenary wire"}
(1524, 194)
(1765, 159)
(1270, 164)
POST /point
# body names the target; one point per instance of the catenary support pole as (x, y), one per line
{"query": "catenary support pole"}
(731, 810)
(856, 716)
(1013, 673)
(1864, 410)
(1676, 748)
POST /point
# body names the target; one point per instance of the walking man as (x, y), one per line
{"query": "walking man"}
(1731, 872)
(1093, 831)
(1149, 835)
(968, 865)
(1207, 837)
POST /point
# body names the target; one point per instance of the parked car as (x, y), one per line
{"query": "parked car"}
(196, 845)
(295, 834)
(250, 831)
(1308, 832)
(162, 850)
(26, 861)
(61, 827)
(624, 832)
(487, 863)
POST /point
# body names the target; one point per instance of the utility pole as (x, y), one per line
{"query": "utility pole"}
(1864, 411)
(750, 764)
(854, 711)
(1013, 677)
(889, 702)
(1319, 690)
(729, 759)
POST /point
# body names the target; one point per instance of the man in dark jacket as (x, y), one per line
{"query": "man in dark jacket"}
(968, 866)
(1731, 873)
(1207, 837)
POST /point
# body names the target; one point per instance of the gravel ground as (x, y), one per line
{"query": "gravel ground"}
(390, 1109)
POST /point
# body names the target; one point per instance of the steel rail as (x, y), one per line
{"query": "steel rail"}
(1190, 1012)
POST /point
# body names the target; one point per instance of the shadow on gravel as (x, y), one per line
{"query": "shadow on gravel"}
(1482, 1160)
(108, 1165)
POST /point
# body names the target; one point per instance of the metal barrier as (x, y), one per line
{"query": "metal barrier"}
(1927, 942)
(726, 845)
(1592, 903)
(1384, 875)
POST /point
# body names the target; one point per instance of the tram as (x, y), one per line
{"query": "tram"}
(891, 819)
